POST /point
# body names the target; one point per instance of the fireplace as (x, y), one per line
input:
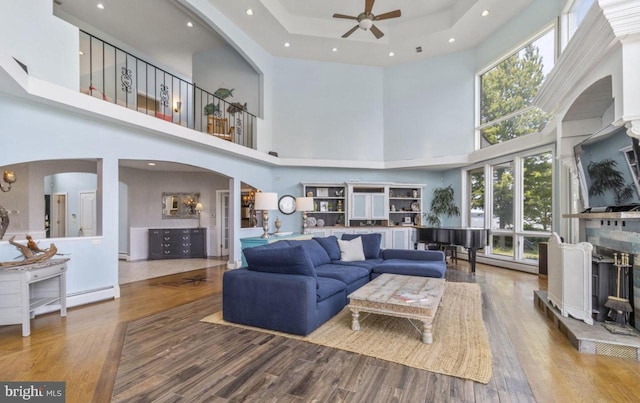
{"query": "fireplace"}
(615, 233)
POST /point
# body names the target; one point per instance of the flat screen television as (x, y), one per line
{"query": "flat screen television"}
(608, 170)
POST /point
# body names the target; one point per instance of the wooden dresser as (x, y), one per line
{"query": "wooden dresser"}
(177, 243)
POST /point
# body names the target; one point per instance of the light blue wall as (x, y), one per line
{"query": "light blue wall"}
(428, 107)
(31, 33)
(67, 135)
(224, 67)
(327, 111)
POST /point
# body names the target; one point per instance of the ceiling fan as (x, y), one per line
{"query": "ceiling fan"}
(366, 19)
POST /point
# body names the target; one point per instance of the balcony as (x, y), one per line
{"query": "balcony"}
(114, 75)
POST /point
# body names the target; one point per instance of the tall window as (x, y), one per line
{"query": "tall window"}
(576, 14)
(476, 198)
(518, 200)
(507, 91)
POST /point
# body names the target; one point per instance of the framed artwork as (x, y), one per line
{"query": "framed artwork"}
(324, 206)
(407, 220)
(322, 192)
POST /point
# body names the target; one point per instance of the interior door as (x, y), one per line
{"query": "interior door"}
(87, 213)
(59, 215)
(222, 214)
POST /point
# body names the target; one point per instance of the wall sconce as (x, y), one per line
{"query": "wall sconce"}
(199, 209)
(177, 106)
(190, 204)
(304, 204)
(266, 201)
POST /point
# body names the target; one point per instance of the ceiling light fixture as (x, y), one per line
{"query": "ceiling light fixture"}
(81, 53)
(151, 164)
(451, 40)
(334, 49)
(391, 54)
(287, 44)
(190, 24)
(249, 11)
(485, 13)
(100, 6)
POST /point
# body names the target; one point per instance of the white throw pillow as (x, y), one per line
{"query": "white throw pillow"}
(351, 251)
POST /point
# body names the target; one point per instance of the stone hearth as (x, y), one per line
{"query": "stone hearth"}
(590, 339)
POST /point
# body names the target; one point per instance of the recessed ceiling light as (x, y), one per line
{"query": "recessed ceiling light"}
(100, 6)
(391, 54)
(451, 40)
(190, 24)
(287, 44)
(334, 49)
(485, 13)
(151, 164)
(81, 53)
(249, 11)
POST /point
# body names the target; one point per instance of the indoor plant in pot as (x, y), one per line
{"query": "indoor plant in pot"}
(443, 202)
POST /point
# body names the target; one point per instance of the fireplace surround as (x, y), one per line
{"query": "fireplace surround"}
(615, 232)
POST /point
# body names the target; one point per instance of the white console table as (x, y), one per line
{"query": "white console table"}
(23, 289)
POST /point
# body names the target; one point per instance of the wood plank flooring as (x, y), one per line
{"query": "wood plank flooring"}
(533, 361)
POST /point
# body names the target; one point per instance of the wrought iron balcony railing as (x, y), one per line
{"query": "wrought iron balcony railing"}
(110, 73)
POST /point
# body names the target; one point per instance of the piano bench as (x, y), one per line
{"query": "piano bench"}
(451, 251)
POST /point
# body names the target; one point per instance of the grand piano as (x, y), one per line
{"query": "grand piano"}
(470, 238)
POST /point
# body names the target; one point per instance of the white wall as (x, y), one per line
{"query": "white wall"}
(328, 110)
(145, 188)
(30, 33)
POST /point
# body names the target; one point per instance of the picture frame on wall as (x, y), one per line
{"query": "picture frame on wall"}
(322, 192)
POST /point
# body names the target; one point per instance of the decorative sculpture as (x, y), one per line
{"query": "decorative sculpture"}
(9, 178)
(32, 253)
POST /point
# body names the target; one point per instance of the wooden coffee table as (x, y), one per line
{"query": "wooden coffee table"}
(408, 297)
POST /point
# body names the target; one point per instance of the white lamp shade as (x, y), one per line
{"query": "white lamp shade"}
(266, 201)
(199, 207)
(304, 203)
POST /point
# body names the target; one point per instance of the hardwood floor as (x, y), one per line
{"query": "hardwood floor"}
(84, 349)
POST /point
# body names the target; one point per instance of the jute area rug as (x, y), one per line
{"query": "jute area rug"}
(460, 342)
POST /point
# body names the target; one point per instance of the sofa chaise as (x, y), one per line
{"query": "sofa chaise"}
(294, 286)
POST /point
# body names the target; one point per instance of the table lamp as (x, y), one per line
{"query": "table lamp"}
(266, 201)
(199, 209)
(304, 204)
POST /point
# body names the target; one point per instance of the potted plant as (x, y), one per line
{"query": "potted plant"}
(443, 202)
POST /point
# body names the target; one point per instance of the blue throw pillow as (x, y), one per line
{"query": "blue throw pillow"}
(330, 244)
(370, 244)
(316, 253)
(290, 260)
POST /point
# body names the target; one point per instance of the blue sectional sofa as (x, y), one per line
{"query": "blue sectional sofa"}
(294, 286)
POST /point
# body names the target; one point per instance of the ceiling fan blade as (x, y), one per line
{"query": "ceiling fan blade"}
(348, 17)
(368, 6)
(349, 32)
(376, 32)
(386, 16)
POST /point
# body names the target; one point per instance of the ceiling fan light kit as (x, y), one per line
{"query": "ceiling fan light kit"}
(366, 19)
